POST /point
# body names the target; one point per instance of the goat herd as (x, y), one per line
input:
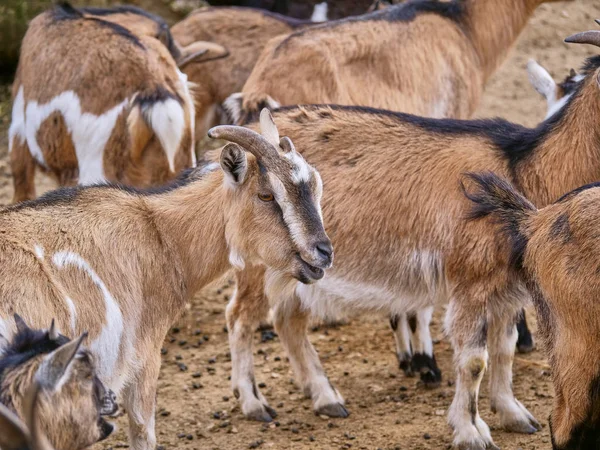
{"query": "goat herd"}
(365, 115)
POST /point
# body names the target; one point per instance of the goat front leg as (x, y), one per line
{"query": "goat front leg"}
(291, 323)
(246, 309)
(502, 337)
(140, 402)
(466, 323)
(423, 360)
(23, 167)
(399, 324)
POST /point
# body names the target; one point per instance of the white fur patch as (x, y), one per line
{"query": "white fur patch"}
(89, 132)
(290, 215)
(73, 313)
(236, 260)
(108, 343)
(189, 102)
(167, 120)
(39, 251)
(17, 124)
(301, 169)
(233, 106)
(320, 12)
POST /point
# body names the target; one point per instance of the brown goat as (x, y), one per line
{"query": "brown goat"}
(122, 263)
(407, 244)
(244, 32)
(425, 57)
(95, 100)
(556, 250)
(71, 400)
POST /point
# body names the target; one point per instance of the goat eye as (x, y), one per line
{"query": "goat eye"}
(266, 197)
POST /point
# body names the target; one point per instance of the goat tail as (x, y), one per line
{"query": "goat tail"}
(494, 196)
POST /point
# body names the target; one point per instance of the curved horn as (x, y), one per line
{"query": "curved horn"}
(587, 37)
(53, 333)
(249, 140)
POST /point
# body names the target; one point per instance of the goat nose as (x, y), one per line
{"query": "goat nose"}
(325, 249)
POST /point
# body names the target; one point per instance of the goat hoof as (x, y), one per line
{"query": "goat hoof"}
(522, 427)
(492, 446)
(261, 415)
(406, 368)
(525, 347)
(333, 410)
(431, 378)
(473, 446)
(271, 412)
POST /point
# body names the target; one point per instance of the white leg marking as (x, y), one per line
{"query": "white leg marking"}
(89, 132)
(106, 345)
(17, 123)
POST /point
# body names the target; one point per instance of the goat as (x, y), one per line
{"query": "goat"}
(465, 40)
(122, 262)
(72, 400)
(94, 100)
(556, 95)
(408, 246)
(244, 32)
(555, 250)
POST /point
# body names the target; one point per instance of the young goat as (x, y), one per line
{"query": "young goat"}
(556, 251)
(71, 402)
(244, 32)
(464, 40)
(556, 94)
(122, 263)
(98, 96)
(418, 248)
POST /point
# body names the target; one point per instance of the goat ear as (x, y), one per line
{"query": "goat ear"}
(540, 79)
(200, 51)
(234, 163)
(140, 132)
(13, 434)
(20, 323)
(287, 145)
(55, 365)
(268, 128)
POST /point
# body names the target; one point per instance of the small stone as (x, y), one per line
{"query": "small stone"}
(426, 436)
(256, 444)
(262, 385)
(182, 367)
(212, 360)
(196, 375)
(197, 386)
(189, 437)
(175, 330)
(164, 351)
(165, 413)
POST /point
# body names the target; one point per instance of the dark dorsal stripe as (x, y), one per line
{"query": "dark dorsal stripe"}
(25, 346)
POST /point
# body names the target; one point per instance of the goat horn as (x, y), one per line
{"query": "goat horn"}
(20, 323)
(53, 333)
(248, 139)
(587, 37)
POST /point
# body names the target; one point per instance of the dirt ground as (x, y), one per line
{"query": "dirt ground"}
(196, 408)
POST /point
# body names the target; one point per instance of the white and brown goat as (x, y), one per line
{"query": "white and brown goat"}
(98, 96)
(71, 400)
(418, 249)
(243, 32)
(424, 57)
(556, 250)
(121, 263)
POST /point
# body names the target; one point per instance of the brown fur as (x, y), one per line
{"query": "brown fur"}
(430, 66)
(244, 32)
(395, 158)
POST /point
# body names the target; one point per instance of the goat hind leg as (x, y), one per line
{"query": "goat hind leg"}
(247, 307)
(23, 167)
(467, 326)
(291, 323)
(502, 337)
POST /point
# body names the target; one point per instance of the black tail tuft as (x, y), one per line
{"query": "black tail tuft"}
(496, 197)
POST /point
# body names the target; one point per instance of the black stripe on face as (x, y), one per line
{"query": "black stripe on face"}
(305, 207)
